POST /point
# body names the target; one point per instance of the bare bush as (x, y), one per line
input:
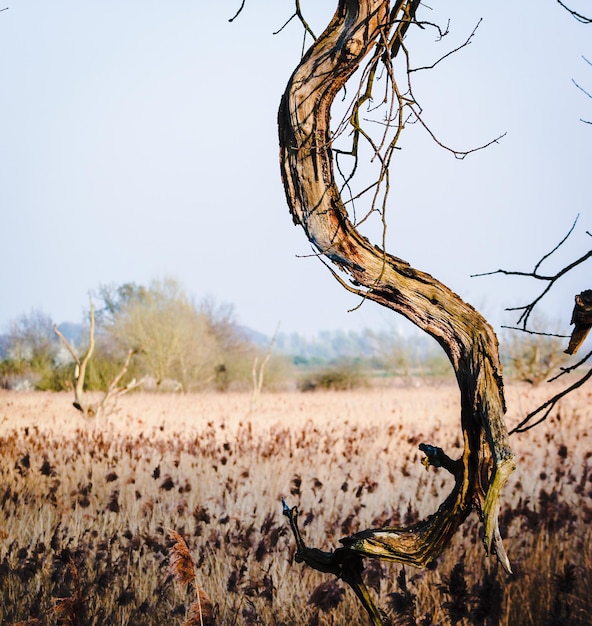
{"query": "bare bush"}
(533, 357)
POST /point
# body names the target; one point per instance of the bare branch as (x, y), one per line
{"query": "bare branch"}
(548, 406)
(571, 368)
(578, 16)
(279, 30)
(242, 6)
(113, 391)
(584, 91)
(81, 364)
(458, 154)
(67, 344)
(550, 279)
(344, 564)
(534, 332)
(451, 52)
(297, 13)
(582, 318)
(259, 370)
(581, 88)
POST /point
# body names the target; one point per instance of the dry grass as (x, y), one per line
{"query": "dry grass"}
(86, 509)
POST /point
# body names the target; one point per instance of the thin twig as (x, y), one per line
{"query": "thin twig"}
(451, 52)
(535, 332)
(297, 13)
(548, 406)
(551, 279)
(571, 368)
(458, 154)
(581, 88)
(242, 6)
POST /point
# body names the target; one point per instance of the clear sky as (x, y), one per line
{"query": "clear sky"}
(138, 140)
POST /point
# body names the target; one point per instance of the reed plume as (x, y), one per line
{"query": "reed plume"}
(70, 610)
(201, 612)
(181, 562)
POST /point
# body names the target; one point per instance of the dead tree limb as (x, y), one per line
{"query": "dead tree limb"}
(306, 158)
(80, 364)
(258, 370)
(113, 391)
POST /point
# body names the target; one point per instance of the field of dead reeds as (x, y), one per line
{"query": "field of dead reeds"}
(87, 509)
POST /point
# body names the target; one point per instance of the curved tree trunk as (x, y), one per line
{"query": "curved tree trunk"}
(468, 340)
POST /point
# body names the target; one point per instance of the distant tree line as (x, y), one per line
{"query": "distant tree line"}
(182, 345)
(177, 343)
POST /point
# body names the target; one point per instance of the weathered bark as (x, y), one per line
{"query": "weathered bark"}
(581, 318)
(469, 341)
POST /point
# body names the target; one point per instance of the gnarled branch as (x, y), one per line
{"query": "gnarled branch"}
(306, 158)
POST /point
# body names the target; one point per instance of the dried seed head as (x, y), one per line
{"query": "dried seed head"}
(201, 612)
(180, 559)
(65, 610)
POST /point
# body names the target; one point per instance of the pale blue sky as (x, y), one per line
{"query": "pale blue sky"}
(138, 140)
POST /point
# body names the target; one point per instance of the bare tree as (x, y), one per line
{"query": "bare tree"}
(113, 391)
(258, 371)
(374, 29)
(184, 343)
(31, 341)
(364, 40)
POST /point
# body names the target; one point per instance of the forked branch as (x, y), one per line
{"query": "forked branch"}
(113, 391)
(542, 412)
(581, 320)
(535, 273)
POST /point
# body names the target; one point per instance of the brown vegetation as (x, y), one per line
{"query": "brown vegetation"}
(86, 509)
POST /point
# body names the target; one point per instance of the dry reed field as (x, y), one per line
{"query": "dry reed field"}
(92, 512)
